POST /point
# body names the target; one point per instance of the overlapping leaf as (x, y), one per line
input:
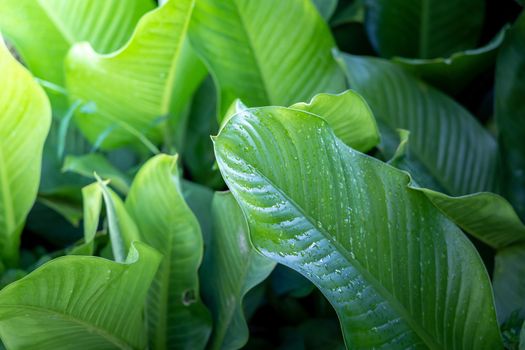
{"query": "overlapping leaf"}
(177, 318)
(265, 52)
(25, 117)
(231, 268)
(44, 30)
(138, 88)
(79, 301)
(424, 28)
(397, 271)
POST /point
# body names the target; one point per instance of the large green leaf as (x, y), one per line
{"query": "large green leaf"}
(424, 28)
(137, 88)
(446, 141)
(231, 268)
(25, 116)
(176, 316)
(44, 30)
(398, 273)
(453, 73)
(510, 112)
(79, 302)
(265, 52)
(349, 116)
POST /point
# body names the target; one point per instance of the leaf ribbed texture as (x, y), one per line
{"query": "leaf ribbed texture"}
(177, 318)
(398, 273)
(75, 301)
(265, 52)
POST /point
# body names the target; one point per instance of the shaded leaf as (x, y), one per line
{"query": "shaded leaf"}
(453, 73)
(510, 111)
(509, 281)
(447, 144)
(287, 62)
(424, 28)
(326, 8)
(398, 273)
(231, 268)
(79, 300)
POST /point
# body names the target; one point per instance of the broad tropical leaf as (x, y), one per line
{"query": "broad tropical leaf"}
(510, 112)
(349, 116)
(424, 28)
(177, 318)
(447, 144)
(231, 268)
(44, 30)
(25, 117)
(141, 86)
(79, 301)
(265, 52)
(398, 273)
(509, 281)
(453, 73)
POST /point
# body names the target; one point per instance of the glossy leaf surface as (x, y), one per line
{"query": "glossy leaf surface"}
(398, 273)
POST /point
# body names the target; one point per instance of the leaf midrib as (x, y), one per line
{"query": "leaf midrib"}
(103, 333)
(421, 332)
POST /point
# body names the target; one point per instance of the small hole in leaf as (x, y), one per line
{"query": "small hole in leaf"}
(188, 297)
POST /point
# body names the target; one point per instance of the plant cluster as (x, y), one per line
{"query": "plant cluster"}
(363, 186)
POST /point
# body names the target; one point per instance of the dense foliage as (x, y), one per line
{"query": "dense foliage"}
(363, 187)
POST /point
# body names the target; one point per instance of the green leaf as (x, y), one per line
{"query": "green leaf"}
(487, 216)
(398, 273)
(139, 87)
(326, 8)
(454, 73)
(176, 316)
(354, 12)
(122, 229)
(265, 52)
(231, 269)
(349, 116)
(81, 301)
(64, 200)
(447, 144)
(25, 117)
(509, 281)
(509, 112)
(424, 28)
(33, 25)
(87, 165)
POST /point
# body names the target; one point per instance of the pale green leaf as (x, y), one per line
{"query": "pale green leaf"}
(79, 302)
(424, 28)
(44, 30)
(326, 8)
(139, 87)
(265, 52)
(231, 269)
(349, 116)
(177, 318)
(398, 273)
(25, 117)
